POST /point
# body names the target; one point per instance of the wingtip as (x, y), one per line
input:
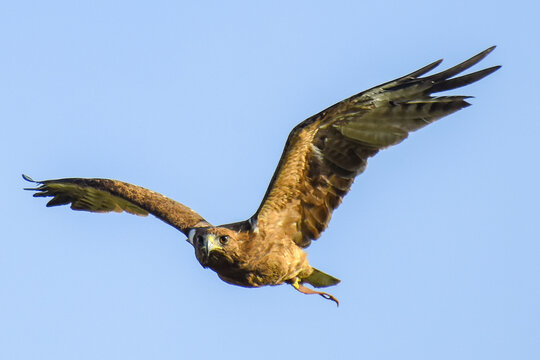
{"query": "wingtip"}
(28, 178)
(485, 72)
(486, 52)
(433, 65)
(490, 49)
(480, 56)
(424, 69)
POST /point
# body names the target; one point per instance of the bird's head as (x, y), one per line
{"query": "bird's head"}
(215, 247)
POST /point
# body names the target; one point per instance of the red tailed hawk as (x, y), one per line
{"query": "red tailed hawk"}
(322, 156)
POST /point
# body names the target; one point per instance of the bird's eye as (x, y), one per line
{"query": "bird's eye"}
(199, 240)
(224, 239)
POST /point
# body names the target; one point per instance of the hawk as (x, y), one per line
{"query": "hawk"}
(321, 158)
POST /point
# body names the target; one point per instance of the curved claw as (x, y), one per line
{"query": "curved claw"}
(327, 296)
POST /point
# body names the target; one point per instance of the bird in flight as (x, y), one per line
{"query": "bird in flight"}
(321, 158)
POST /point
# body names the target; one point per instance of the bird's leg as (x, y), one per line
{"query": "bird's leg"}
(305, 290)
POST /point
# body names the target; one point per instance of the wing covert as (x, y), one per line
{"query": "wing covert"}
(104, 195)
(324, 154)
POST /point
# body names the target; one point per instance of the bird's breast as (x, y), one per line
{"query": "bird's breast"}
(271, 263)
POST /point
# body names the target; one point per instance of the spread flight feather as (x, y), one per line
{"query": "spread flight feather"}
(321, 158)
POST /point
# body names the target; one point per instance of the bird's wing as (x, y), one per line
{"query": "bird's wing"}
(104, 195)
(324, 153)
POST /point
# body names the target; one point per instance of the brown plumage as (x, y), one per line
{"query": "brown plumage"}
(322, 156)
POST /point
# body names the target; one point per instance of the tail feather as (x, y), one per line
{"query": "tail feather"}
(319, 279)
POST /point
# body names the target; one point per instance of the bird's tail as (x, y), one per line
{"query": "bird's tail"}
(319, 279)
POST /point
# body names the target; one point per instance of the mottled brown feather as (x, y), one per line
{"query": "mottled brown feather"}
(321, 158)
(104, 195)
(326, 152)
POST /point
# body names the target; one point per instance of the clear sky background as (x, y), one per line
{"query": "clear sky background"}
(437, 244)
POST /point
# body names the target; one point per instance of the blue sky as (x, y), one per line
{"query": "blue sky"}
(436, 245)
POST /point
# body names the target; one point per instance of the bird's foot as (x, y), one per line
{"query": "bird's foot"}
(305, 290)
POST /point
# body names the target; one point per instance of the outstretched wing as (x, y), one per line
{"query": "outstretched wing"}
(104, 195)
(326, 152)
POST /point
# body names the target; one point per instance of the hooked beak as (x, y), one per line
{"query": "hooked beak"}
(210, 244)
(204, 248)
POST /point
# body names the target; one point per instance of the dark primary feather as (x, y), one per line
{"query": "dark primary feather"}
(104, 195)
(326, 152)
(321, 158)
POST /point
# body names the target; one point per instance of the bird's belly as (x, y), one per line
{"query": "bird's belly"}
(256, 278)
(274, 268)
